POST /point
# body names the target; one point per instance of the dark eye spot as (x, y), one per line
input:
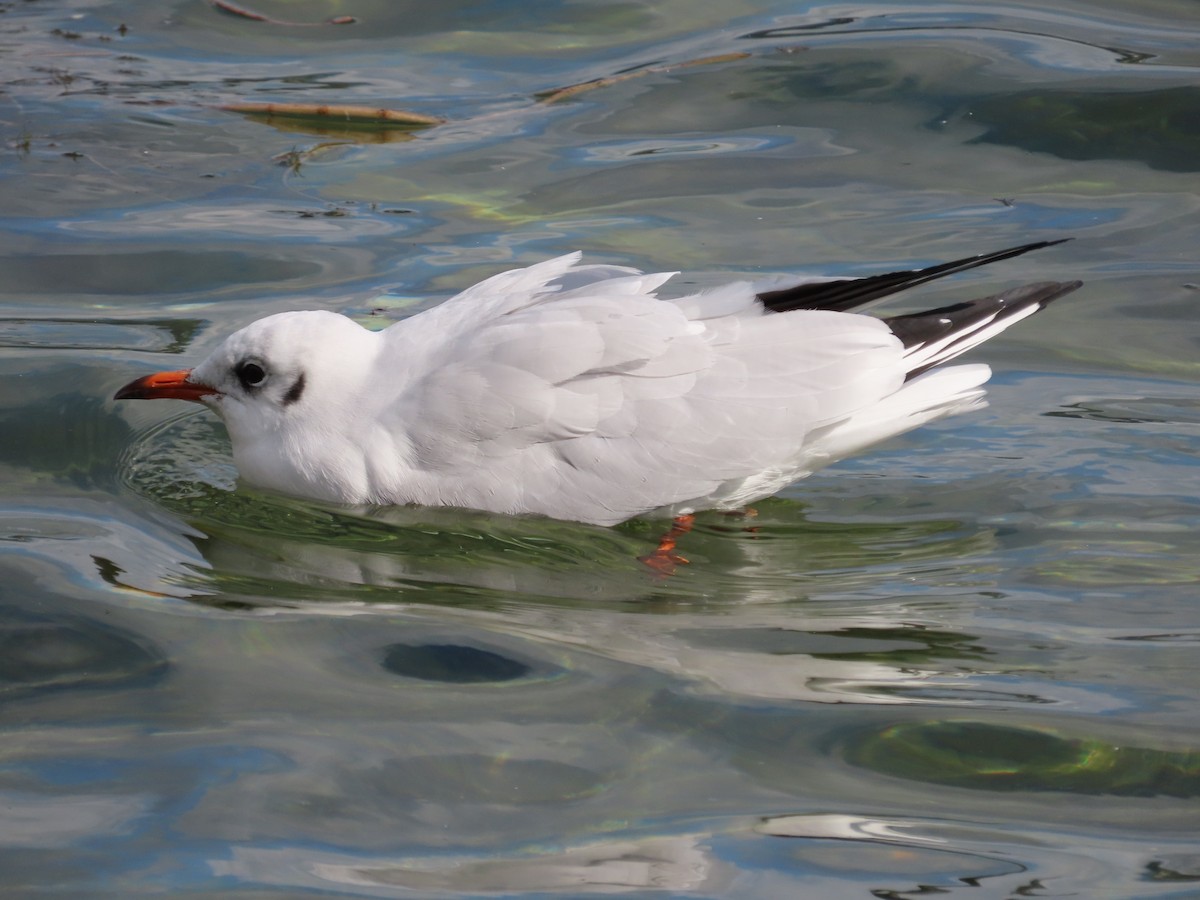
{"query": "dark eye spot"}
(294, 392)
(250, 374)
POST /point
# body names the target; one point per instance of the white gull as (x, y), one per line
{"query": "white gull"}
(572, 391)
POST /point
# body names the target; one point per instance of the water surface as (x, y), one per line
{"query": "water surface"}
(964, 663)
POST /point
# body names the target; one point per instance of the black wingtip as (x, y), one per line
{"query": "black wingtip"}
(957, 328)
(853, 294)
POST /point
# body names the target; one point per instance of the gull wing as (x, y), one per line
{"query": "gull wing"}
(600, 401)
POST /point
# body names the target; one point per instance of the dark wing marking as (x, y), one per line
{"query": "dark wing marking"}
(961, 326)
(852, 294)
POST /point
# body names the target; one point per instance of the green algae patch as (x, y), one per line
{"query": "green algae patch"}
(982, 756)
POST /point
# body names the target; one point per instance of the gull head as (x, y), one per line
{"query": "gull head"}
(289, 378)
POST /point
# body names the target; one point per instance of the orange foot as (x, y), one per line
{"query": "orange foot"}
(664, 559)
(747, 513)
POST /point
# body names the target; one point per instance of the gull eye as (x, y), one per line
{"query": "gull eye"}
(250, 374)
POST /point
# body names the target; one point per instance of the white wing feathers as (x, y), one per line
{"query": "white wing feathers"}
(556, 388)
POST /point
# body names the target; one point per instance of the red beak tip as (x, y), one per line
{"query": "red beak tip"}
(165, 386)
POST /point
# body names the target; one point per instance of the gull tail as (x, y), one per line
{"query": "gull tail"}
(945, 392)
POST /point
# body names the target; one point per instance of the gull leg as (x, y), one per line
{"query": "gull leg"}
(664, 559)
(743, 514)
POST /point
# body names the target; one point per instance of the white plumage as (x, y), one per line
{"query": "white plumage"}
(572, 391)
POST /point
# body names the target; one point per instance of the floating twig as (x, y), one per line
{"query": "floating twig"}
(556, 94)
(234, 10)
(293, 159)
(340, 114)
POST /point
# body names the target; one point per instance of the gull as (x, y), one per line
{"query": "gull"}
(572, 391)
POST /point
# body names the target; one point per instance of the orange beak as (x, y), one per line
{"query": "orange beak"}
(166, 386)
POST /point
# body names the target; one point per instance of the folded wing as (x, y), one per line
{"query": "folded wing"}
(600, 401)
